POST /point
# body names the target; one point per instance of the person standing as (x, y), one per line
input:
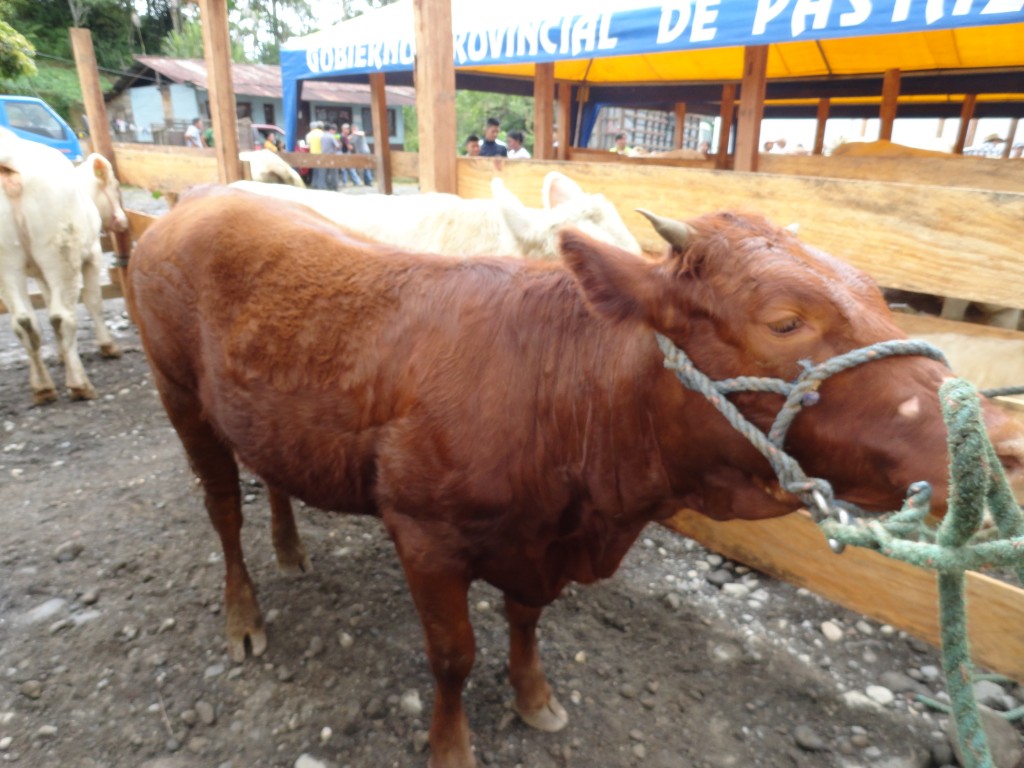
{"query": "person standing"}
(491, 147)
(313, 142)
(330, 146)
(194, 134)
(620, 147)
(472, 145)
(359, 145)
(515, 145)
(348, 148)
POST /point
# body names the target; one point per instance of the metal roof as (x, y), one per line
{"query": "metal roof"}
(262, 80)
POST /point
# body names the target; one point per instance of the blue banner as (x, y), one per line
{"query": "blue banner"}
(632, 28)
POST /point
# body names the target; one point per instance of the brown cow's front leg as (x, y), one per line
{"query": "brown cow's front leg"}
(535, 702)
(292, 559)
(441, 598)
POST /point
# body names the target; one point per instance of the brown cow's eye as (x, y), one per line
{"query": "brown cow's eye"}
(782, 327)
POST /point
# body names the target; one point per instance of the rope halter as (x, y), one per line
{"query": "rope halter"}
(816, 493)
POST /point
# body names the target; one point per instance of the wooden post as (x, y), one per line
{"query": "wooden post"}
(890, 97)
(727, 112)
(217, 54)
(92, 94)
(381, 141)
(1011, 134)
(435, 95)
(824, 105)
(679, 134)
(543, 111)
(564, 119)
(748, 126)
(966, 117)
(99, 131)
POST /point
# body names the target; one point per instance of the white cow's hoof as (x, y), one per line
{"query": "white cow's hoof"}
(44, 396)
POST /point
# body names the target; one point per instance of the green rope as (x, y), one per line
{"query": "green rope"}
(977, 483)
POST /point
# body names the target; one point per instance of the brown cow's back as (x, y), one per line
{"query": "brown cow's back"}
(319, 357)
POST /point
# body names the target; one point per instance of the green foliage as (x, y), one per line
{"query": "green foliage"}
(188, 44)
(472, 108)
(15, 53)
(412, 129)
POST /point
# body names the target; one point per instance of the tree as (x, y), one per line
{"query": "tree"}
(15, 53)
(188, 44)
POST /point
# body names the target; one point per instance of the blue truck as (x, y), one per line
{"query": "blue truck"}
(33, 119)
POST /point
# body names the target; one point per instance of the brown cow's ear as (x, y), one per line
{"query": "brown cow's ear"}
(615, 282)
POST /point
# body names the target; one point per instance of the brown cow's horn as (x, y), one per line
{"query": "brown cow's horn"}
(678, 234)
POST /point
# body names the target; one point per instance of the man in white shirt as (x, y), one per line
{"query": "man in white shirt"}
(515, 145)
(194, 134)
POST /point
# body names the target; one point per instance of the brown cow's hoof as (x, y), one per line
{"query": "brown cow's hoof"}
(87, 392)
(551, 718)
(44, 396)
(294, 563)
(110, 351)
(236, 644)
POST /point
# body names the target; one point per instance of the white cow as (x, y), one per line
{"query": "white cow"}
(50, 219)
(448, 224)
(268, 167)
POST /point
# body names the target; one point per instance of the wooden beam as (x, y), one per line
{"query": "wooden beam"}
(1011, 134)
(543, 111)
(966, 118)
(948, 171)
(887, 590)
(752, 90)
(381, 140)
(435, 94)
(564, 119)
(217, 55)
(727, 112)
(92, 94)
(819, 131)
(890, 99)
(678, 135)
(861, 222)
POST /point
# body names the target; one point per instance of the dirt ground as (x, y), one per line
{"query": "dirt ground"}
(112, 651)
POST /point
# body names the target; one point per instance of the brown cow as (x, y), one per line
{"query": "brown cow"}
(509, 421)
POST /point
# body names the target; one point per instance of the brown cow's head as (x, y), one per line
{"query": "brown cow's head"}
(743, 297)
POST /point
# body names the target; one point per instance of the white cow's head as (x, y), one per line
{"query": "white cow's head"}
(105, 192)
(565, 203)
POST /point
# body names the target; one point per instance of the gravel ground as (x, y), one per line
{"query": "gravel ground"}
(112, 651)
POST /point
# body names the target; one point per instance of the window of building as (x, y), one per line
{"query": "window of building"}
(367, 115)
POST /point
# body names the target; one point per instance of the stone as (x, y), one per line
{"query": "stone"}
(68, 551)
(206, 712)
(410, 704)
(31, 689)
(308, 761)
(832, 631)
(881, 694)
(807, 739)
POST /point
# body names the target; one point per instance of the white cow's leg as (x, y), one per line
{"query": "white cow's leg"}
(14, 292)
(92, 297)
(64, 278)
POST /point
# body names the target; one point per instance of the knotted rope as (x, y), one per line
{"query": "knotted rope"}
(977, 483)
